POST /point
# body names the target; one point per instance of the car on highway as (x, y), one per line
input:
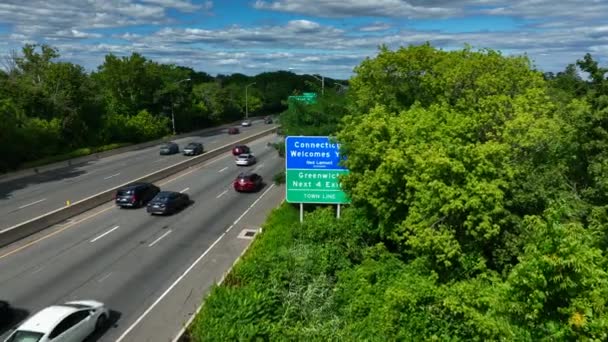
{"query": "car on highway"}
(248, 181)
(246, 123)
(169, 148)
(240, 149)
(168, 202)
(233, 130)
(135, 195)
(69, 322)
(268, 120)
(6, 313)
(245, 159)
(193, 149)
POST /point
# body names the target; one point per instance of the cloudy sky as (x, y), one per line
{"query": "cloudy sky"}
(327, 37)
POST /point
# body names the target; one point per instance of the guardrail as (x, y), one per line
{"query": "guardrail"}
(6, 177)
(24, 229)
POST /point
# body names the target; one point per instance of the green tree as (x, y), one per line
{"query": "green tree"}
(558, 289)
(128, 83)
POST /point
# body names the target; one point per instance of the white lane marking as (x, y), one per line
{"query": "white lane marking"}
(37, 270)
(186, 189)
(222, 194)
(258, 167)
(250, 207)
(104, 234)
(224, 169)
(27, 205)
(183, 275)
(158, 161)
(114, 175)
(104, 277)
(159, 238)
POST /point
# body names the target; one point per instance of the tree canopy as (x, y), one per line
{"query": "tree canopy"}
(53, 107)
(479, 210)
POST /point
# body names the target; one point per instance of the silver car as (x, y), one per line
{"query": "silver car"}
(245, 159)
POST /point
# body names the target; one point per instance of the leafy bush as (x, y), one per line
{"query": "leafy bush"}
(279, 178)
(144, 126)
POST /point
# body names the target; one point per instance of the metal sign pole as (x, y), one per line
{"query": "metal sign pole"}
(301, 212)
(338, 212)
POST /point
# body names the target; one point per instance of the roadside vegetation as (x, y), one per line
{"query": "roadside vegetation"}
(479, 212)
(51, 110)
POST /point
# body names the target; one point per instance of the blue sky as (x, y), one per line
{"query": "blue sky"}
(328, 37)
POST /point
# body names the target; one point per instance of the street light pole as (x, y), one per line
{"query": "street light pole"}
(322, 79)
(172, 105)
(247, 100)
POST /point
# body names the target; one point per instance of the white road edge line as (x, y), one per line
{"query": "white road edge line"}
(27, 205)
(104, 277)
(114, 175)
(159, 238)
(222, 194)
(224, 169)
(183, 275)
(104, 234)
(186, 189)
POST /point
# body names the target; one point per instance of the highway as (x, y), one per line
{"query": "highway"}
(32, 196)
(125, 257)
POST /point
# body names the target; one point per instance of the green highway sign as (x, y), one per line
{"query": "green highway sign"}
(314, 186)
(308, 98)
(313, 170)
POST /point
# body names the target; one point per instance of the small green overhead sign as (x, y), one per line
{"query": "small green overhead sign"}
(308, 98)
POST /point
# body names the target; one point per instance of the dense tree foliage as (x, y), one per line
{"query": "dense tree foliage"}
(479, 211)
(49, 107)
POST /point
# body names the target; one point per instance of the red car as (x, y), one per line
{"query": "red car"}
(240, 149)
(248, 181)
(233, 130)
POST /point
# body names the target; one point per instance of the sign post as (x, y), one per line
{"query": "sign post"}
(312, 171)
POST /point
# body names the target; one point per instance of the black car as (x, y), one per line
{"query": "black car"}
(268, 120)
(169, 148)
(136, 195)
(168, 202)
(6, 313)
(193, 149)
(233, 130)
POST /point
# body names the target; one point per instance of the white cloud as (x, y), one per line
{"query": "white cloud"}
(41, 18)
(357, 8)
(182, 5)
(378, 26)
(552, 33)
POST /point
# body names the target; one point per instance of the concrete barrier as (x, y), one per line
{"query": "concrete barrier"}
(24, 229)
(7, 177)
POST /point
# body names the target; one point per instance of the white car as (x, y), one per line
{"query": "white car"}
(245, 159)
(246, 123)
(69, 322)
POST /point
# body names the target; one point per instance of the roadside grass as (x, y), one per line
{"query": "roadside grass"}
(283, 288)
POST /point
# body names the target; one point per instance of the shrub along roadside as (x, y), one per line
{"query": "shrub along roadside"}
(283, 286)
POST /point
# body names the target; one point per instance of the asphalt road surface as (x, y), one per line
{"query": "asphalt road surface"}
(125, 257)
(25, 198)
